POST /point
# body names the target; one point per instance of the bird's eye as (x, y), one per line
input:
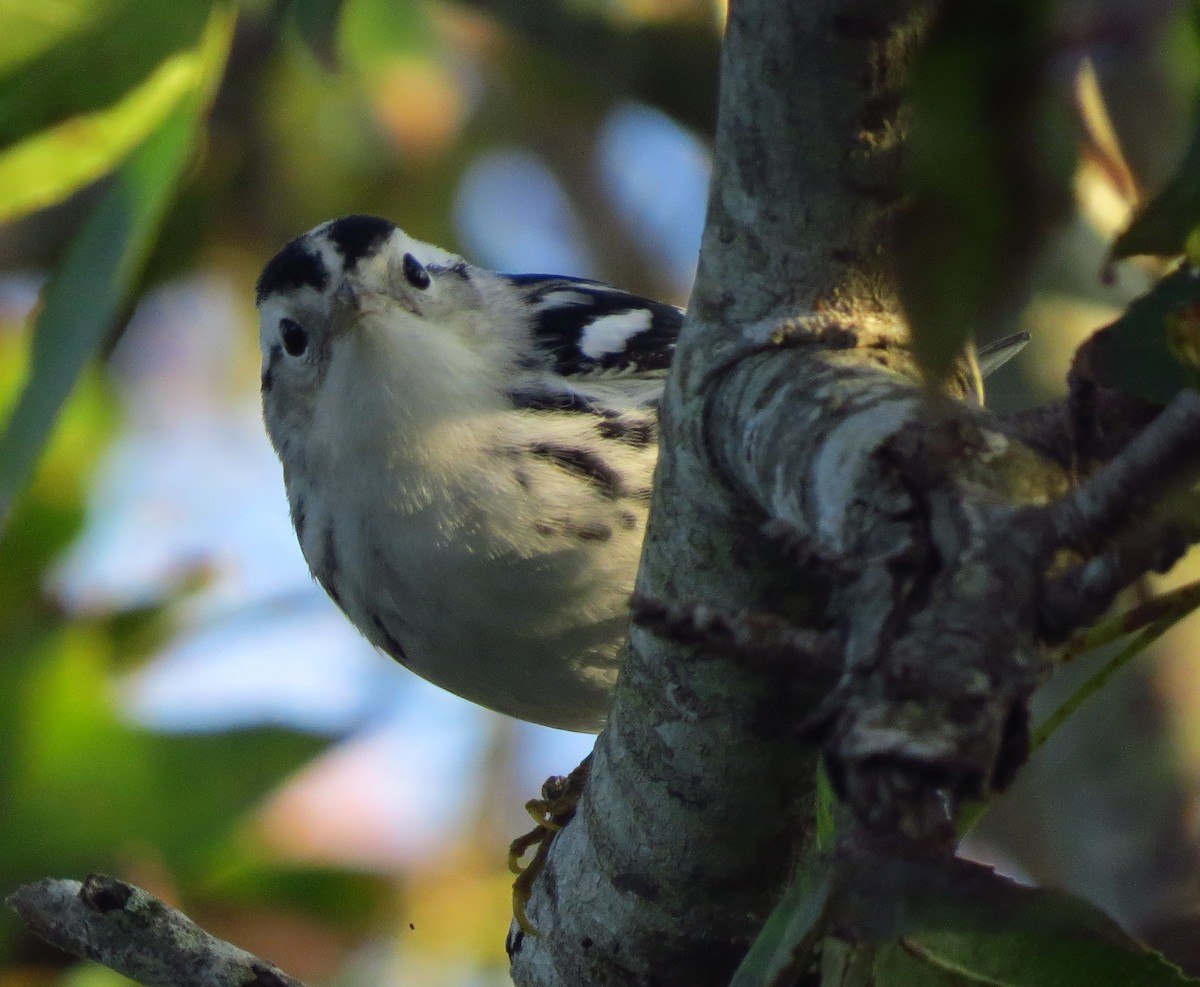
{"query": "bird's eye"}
(415, 272)
(295, 338)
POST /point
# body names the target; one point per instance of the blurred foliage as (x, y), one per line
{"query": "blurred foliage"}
(989, 169)
(97, 274)
(99, 270)
(83, 789)
(142, 138)
(1166, 225)
(84, 55)
(317, 23)
(992, 165)
(928, 921)
(1153, 349)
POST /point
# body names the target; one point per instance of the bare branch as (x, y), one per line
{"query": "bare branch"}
(1084, 592)
(757, 639)
(1161, 458)
(132, 932)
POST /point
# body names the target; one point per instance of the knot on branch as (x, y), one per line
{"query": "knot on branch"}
(105, 894)
(953, 597)
(126, 928)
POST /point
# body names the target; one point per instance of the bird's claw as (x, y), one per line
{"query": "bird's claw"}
(556, 808)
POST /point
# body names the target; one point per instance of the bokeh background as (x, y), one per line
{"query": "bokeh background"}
(179, 703)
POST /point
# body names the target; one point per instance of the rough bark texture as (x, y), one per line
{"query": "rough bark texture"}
(807, 474)
(700, 799)
(132, 932)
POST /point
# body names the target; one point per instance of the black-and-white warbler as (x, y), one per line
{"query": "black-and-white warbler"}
(468, 458)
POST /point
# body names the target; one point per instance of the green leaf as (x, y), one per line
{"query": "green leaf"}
(895, 919)
(1165, 223)
(93, 282)
(47, 167)
(61, 59)
(34, 28)
(824, 812)
(792, 931)
(51, 516)
(74, 759)
(1153, 350)
(84, 790)
(331, 896)
(207, 782)
(946, 920)
(989, 168)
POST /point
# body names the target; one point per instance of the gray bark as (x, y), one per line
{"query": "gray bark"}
(807, 474)
(134, 933)
(700, 799)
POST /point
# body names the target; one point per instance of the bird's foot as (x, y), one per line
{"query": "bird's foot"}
(556, 808)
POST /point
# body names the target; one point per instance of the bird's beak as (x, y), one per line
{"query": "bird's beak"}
(354, 298)
(347, 305)
(346, 295)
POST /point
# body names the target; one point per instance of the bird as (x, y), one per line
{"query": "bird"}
(468, 457)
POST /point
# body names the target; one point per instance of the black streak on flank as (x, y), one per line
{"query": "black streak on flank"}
(554, 401)
(590, 531)
(634, 432)
(357, 237)
(295, 266)
(390, 644)
(610, 424)
(582, 463)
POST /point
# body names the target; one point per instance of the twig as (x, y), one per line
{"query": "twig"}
(757, 639)
(1161, 458)
(132, 932)
(1172, 606)
(1080, 595)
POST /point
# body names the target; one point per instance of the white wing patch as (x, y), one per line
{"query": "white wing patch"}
(610, 333)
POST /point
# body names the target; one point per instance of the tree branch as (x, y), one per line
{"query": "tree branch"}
(700, 800)
(134, 933)
(1159, 459)
(755, 639)
(919, 537)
